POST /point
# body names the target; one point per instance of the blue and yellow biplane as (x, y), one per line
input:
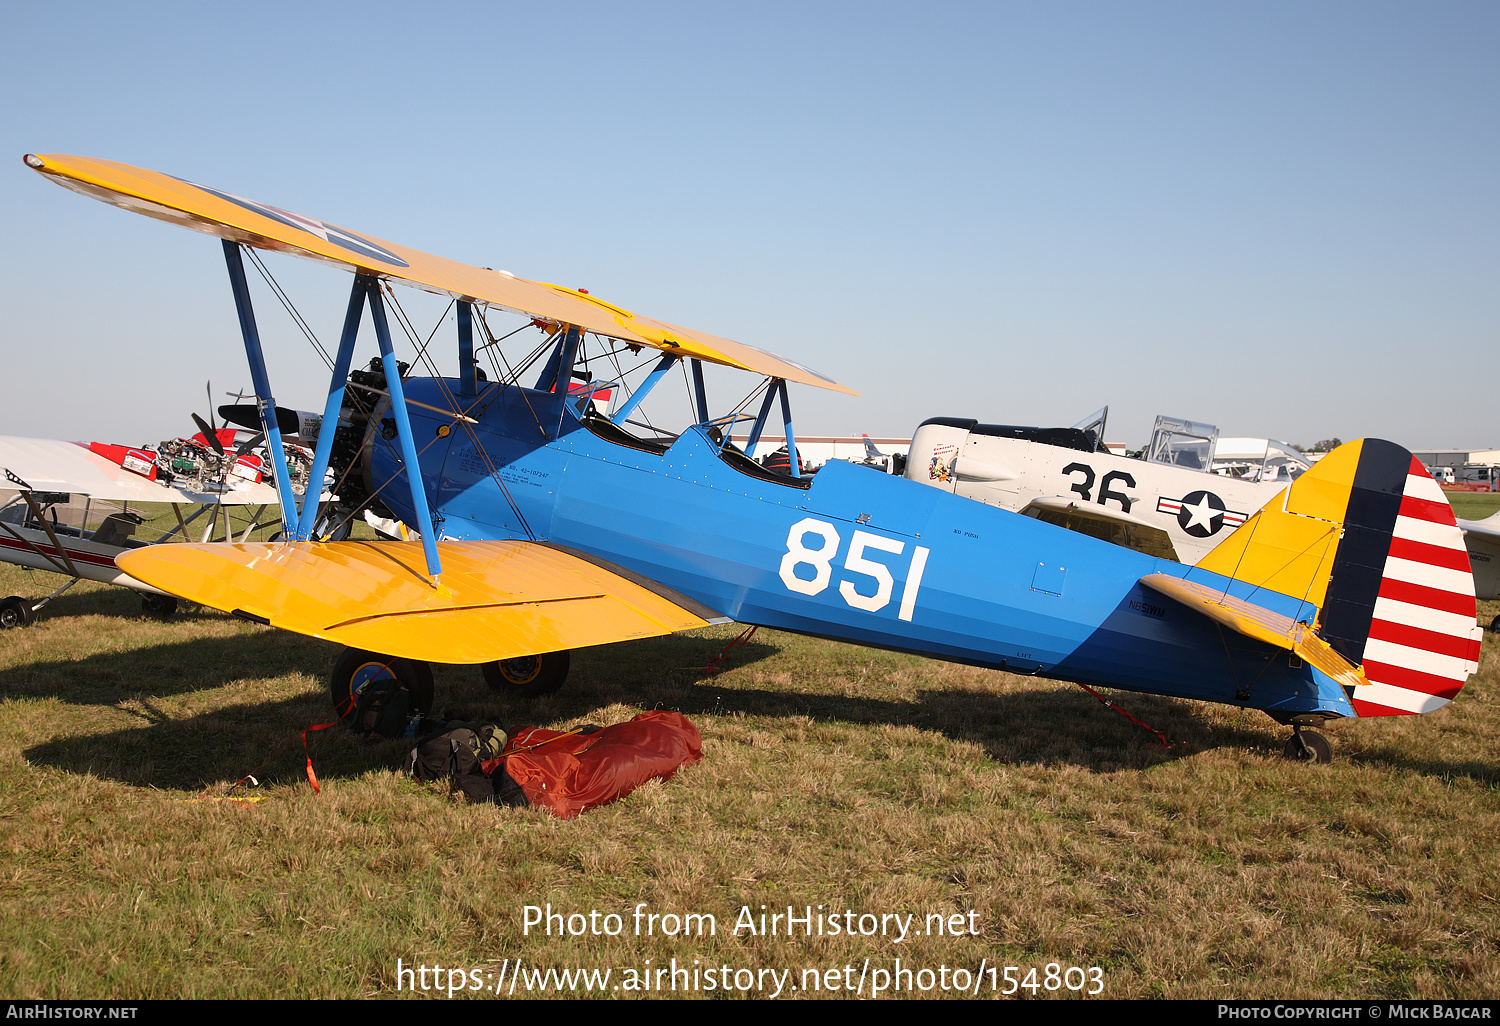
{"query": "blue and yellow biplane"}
(534, 522)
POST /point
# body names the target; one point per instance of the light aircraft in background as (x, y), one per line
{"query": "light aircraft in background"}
(1170, 503)
(1482, 539)
(1188, 492)
(66, 506)
(546, 524)
(888, 462)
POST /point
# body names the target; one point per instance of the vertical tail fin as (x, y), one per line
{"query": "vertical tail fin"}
(1368, 537)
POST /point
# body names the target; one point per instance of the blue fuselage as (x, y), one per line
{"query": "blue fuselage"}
(852, 554)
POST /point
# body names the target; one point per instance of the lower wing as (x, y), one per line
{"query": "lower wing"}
(495, 599)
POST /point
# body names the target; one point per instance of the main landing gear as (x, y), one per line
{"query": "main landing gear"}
(162, 607)
(16, 612)
(528, 676)
(357, 669)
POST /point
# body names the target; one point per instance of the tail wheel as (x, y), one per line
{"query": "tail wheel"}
(528, 676)
(1308, 746)
(356, 668)
(163, 607)
(16, 612)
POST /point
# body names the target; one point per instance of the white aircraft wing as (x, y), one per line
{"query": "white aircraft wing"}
(1482, 539)
(44, 465)
(1487, 529)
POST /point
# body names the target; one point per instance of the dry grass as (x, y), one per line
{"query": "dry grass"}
(832, 775)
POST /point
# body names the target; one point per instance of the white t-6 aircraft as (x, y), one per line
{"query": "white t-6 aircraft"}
(1188, 493)
(1174, 503)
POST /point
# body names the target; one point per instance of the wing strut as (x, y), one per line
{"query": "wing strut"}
(662, 366)
(468, 384)
(265, 404)
(760, 420)
(403, 428)
(791, 436)
(366, 288)
(329, 426)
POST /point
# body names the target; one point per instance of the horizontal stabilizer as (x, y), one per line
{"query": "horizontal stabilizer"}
(1258, 622)
(1488, 529)
(495, 599)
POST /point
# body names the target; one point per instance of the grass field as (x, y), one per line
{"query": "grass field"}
(1474, 505)
(1040, 825)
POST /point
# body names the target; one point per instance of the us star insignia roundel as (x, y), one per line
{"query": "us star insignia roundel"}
(322, 229)
(1201, 513)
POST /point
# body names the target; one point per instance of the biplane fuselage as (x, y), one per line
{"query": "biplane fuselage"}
(850, 553)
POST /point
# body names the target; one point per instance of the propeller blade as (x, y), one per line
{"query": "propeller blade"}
(246, 446)
(247, 416)
(210, 434)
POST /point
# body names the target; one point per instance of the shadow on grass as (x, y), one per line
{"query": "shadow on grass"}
(172, 668)
(191, 751)
(1060, 725)
(1054, 724)
(78, 601)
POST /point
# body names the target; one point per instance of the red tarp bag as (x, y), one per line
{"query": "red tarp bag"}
(570, 773)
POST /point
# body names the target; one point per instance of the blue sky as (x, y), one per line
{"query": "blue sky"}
(1280, 218)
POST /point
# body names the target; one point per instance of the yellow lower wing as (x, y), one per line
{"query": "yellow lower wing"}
(495, 599)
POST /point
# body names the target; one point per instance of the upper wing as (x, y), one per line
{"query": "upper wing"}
(496, 599)
(258, 224)
(44, 465)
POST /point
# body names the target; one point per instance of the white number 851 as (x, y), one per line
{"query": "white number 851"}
(821, 560)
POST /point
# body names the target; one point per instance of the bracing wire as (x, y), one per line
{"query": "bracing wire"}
(453, 405)
(288, 305)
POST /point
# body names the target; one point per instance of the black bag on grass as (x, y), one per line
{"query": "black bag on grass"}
(383, 709)
(456, 752)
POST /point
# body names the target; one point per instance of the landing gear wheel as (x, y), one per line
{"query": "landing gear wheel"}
(16, 612)
(356, 668)
(528, 676)
(1308, 746)
(163, 607)
(1495, 625)
(333, 528)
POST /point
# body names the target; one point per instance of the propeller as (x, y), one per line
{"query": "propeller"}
(246, 415)
(210, 434)
(251, 443)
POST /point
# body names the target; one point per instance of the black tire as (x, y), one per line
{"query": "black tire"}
(1308, 746)
(528, 676)
(163, 607)
(1495, 625)
(342, 526)
(356, 668)
(16, 612)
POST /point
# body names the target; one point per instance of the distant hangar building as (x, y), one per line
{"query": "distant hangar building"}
(1456, 457)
